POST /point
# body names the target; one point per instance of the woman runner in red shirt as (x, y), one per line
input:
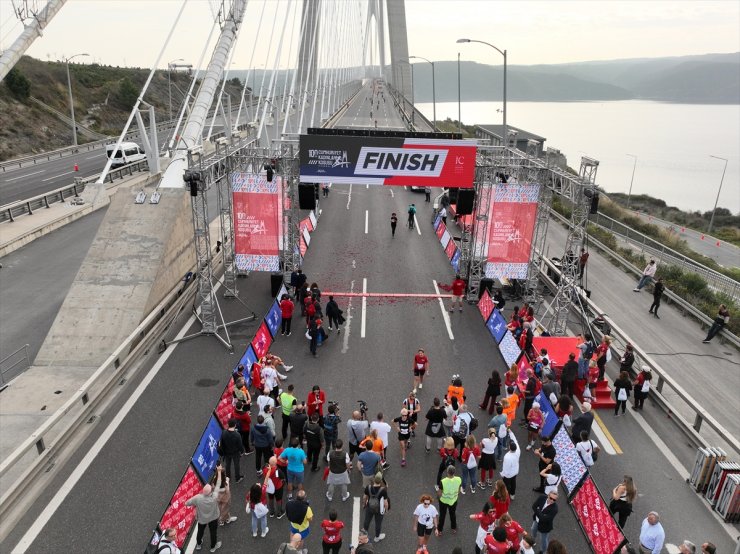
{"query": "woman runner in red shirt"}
(332, 539)
(421, 367)
(514, 531)
(486, 518)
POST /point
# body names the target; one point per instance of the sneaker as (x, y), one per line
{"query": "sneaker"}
(280, 515)
(705, 341)
(656, 316)
(290, 496)
(482, 485)
(265, 531)
(288, 334)
(421, 386)
(635, 290)
(454, 531)
(259, 473)
(529, 446)
(282, 332)
(436, 488)
(462, 490)
(345, 497)
(249, 452)
(240, 479)
(288, 368)
(427, 450)
(472, 489)
(254, 534)
(379, 537)
(452, 310)
(329, 498)
(272, 514)
(198, 546)
(512, 496)
(403, 463)
(414, 390)
(337, 329)
(218, 545)
(635, 408)
(489, 483)
(331, 328)
(232, 519)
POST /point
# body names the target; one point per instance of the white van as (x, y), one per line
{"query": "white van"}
(128, 152)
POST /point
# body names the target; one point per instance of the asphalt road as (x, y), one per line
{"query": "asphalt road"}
(368, 111)
(125, 490)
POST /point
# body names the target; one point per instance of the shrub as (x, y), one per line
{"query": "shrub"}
(18, 84)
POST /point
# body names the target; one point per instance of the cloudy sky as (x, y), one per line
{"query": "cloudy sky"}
(132, 32)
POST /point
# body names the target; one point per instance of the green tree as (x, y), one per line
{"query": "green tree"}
(127, 93)
(18, 84)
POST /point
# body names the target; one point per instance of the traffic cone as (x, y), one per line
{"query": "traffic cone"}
(77, 167)
(683, 229)
(717, 243)
(702, 237)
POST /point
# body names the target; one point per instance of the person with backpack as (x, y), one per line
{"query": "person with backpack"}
(275, 481)
(376, 503)
(168, 542)
(412, 213)
(331, 426)
(435, 429)
(470, 457)
(451, 486)
(463, 425)
(642, 387)
(587, 449)
(586, 348)
(449, 455)
(622, 388)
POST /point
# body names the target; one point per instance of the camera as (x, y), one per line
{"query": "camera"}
(363, 408)
(333, 403)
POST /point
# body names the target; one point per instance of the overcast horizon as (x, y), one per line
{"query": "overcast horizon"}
(532, 32)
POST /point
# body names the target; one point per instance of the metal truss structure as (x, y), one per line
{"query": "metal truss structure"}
(581, 196)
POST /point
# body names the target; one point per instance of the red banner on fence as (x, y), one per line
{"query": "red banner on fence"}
(258, 221)
(514, 212)
(225, 407)
(593, 514)
(485, 305)
(178, 515)
(262, 340)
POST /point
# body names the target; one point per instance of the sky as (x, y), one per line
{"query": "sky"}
(532, 32)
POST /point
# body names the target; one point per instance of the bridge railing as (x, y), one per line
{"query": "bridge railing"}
(13, 210)
(666, 391)
(663, 253)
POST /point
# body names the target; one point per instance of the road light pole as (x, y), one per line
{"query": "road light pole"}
(503, 53)
(711, 221)
(71, 99)
(434, 93)
(634, 166)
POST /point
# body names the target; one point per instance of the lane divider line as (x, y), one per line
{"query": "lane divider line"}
(349, 196)
(445, 315)
(366, 222)
(416, 224)
(28, 175)
(355, 520)
(364, 307)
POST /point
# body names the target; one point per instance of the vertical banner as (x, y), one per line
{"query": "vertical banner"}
(485, 305)
(206, 455)
(274, 317)
(177, 515)
(258, 217)
(565, 453)
(497, 326)
(225, 407)
(509, 348)
(598, 523)
(262, 340)
(513, 212)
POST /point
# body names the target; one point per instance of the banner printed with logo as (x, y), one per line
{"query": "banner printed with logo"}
(497, 325)
(396, 161)
(225, 407)
(485, 305)
(258, 221)
(206, 455)
(177, 515)
(509, 348)
(592, 513)
(514, 211)
(567, 456)
(551, 420)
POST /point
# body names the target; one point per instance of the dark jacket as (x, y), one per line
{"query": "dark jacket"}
(570, 371)
(312, 432)
(582, 423)
(622, 384)
(297, 421)
(546, 516)
(658, 289)
(231, 443)
(261, 436)
(332, 309)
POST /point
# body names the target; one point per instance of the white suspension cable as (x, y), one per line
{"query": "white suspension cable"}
(249, 69)
(295, 73)
(271, 89)
(267, 59)
(307, 75)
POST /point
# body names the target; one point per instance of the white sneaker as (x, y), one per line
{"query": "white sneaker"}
(421, 385)
(329, 498)
(288, 367)
(345, 497)
(529, 447)
(379, 537)
(462, 490)
(218, 545)
(331, 328)
(232, 519)
(472, 489)
(254, 534)
(264, 531)
(414, 390)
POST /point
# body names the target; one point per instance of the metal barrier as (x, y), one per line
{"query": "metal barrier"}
(620, 339)
(683, 305)
(714, 279)
(26, 207)
(13, 365)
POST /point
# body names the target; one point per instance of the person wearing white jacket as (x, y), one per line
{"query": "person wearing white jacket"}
(510, 467)
(648, 274)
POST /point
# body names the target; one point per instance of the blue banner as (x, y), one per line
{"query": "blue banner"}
(437, 221)
(550, 416)
(497, 325)
(247, 360)
(456, 261)
(206, 455)
(273, 318)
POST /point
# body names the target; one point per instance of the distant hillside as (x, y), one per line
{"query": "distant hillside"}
(707, 79)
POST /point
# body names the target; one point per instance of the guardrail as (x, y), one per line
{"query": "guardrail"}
(620, 339)
(682, 304)
(51, 437)
(26, 207)
(12, 365)
(715, 279)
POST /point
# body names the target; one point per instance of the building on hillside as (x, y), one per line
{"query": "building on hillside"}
(518, 138)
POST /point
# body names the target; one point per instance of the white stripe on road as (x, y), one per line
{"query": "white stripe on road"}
(355, 520)
(93, 157)
(445, 315)
(60, 175)
(347, 326)
(24, 176)
(349, 196)
(416, 224)
(367, 186)
(366, 222)
(364, 307)
(96, 448)
(392, 193)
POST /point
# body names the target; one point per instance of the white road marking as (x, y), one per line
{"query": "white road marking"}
(347, 327)
(38, 525)
(445, 315)
(367, 186)
(61, 175)
(24, 176)
(366, 222)
(355, 520)
(93, 157)
(392, 196)
(661, 446)
(605, 443)
(349, 196)
(364, 308)
(416, 224)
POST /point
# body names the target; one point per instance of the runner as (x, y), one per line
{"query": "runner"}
(486, 519)
(414, 407)
(426, 520)
(421, 367)
(412, 213)
(404, 426)
(383, 429)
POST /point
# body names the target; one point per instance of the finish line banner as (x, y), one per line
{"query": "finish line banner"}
(514, 211)
(258, 221)
(395, 161)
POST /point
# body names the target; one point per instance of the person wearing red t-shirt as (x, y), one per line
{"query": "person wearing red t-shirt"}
(421, 367)
(458, 290)
(514, 531)
(496, 542)
(257, 378)
(500, 499)
(332, 539)
(286, 310)
(275, 488)
(315, 403)
(486, 518)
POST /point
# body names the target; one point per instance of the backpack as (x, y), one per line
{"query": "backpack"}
(373, 503)
(412, 210)
(330, 424)
(448, 461)
(462, 430)
(589, 353)
(473, 424)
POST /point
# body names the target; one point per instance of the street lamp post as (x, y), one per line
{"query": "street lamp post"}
(434, 93)
(503, 53)
(71, 99)
(169, 80)
(711, 221)
(634, 166)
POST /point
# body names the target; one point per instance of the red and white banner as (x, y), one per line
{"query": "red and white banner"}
(258, 221)
(598, 523)
(512, 216)
(178, 515)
